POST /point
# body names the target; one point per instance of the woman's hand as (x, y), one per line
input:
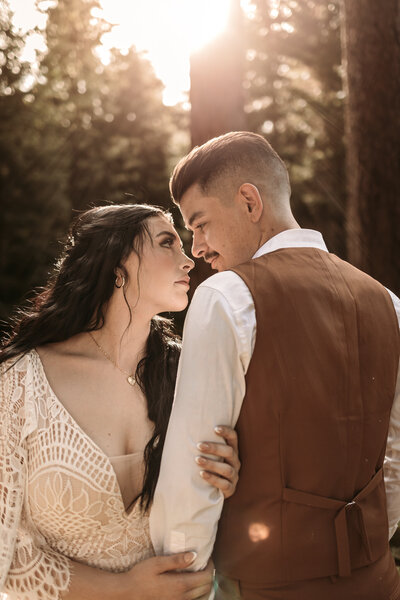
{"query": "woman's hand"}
(158, 578)
(222, 475)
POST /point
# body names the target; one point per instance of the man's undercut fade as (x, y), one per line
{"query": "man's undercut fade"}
(238, 157)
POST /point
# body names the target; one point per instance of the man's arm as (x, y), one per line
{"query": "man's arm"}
(392, 456)
(217, 345)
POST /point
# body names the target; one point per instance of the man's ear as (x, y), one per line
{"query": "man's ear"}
(250, 196)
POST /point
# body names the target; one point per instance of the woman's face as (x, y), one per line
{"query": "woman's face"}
(159, 280)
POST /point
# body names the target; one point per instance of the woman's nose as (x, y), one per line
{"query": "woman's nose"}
(189, 263)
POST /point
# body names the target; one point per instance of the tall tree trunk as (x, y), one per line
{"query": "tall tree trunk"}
(216, 78)
(216, 94)
(371, 39)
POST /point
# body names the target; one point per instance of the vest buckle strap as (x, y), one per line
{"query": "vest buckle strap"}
(341, 530)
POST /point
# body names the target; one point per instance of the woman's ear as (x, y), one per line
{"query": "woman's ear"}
(252, 200)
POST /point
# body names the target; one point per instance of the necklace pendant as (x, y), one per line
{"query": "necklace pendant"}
(131, 380)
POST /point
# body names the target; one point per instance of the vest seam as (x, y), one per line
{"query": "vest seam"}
(359, 380)
(282, 503)
(339, 273)
(347, 382)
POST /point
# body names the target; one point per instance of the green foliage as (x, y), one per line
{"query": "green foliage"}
(84, 134)
(26, 224)
(295, 98)
(110, 120)
(88, 132)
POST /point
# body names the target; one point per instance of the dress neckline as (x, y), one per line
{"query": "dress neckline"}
(126, 456)
(76, 425)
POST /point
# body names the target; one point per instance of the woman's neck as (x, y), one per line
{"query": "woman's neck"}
(125, 342)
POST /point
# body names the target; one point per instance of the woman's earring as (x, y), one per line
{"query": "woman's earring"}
(117, 285)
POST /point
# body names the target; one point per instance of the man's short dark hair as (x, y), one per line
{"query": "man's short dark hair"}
(240, 155)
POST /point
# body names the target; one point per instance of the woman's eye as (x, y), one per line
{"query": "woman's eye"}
(201, 226)
(168, 242)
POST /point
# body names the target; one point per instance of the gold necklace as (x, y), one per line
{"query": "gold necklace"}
(130, 376)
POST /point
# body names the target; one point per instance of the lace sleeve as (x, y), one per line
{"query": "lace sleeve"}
(27, 571)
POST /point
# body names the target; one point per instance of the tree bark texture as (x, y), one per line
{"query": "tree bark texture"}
(216, 79)
(216, 95)
(371, 40)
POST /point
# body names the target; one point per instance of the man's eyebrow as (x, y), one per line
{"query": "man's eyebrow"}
(195, 216)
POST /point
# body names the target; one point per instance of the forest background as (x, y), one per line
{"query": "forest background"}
(319, 78)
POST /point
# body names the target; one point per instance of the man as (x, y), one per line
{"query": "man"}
(300, 351)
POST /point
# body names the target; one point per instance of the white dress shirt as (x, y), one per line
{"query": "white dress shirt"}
(218, 342)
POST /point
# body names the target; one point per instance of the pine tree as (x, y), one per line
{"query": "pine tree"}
(85, 134)
(216, 78)
(294, 96)
(372, 47)
(28, 220)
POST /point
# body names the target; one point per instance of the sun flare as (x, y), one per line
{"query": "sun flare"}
(168, 30)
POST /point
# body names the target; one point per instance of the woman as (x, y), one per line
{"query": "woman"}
(87, 381)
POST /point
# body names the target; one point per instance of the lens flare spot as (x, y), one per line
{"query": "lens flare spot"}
(258, 532)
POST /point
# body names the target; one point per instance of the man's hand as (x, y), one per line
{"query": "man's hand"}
(161, 577)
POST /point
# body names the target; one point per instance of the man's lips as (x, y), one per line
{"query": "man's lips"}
(210, 258)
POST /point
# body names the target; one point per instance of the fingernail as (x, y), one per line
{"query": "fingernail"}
(200, 460)
(203, 446)
(204, 474)
(218, 429)
(190, 557)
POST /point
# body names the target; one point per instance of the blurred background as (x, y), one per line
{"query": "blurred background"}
(100, 98)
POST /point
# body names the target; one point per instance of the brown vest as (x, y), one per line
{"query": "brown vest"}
(310, 501)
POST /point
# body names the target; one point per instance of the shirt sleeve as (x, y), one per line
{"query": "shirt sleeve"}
(217, 345)
(28, 570)
(392, 456)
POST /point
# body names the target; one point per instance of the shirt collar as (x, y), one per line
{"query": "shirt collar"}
(293, 238)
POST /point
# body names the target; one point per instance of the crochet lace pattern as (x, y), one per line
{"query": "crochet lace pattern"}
(59, 494)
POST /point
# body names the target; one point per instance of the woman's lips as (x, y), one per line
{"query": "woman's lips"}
(184, 282)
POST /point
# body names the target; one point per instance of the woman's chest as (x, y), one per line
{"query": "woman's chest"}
(110, 411)
(74, 500)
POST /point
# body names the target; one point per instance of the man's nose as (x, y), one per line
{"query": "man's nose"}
(198, 245)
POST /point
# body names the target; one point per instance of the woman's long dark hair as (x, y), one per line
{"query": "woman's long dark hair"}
(73, 301)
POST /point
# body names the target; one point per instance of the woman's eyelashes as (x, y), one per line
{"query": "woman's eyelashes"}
(168, 241)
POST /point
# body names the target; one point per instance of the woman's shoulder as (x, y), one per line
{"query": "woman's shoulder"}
(18, 365)
(17, 375)
(17, 405)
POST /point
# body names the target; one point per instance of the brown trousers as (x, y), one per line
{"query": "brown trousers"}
(379, 581)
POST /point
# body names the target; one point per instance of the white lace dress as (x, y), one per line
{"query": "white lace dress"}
(59, 494)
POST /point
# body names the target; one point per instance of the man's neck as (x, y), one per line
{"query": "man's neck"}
(276, 228)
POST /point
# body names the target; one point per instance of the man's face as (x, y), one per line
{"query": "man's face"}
(222, 233)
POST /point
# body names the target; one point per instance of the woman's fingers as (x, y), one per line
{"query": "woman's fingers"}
(229, 435)
(226, 486)
(224, 474)
(228, 451)
(220, 450)
(217, 468)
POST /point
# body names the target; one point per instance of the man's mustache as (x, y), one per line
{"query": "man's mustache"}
(210, 256)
